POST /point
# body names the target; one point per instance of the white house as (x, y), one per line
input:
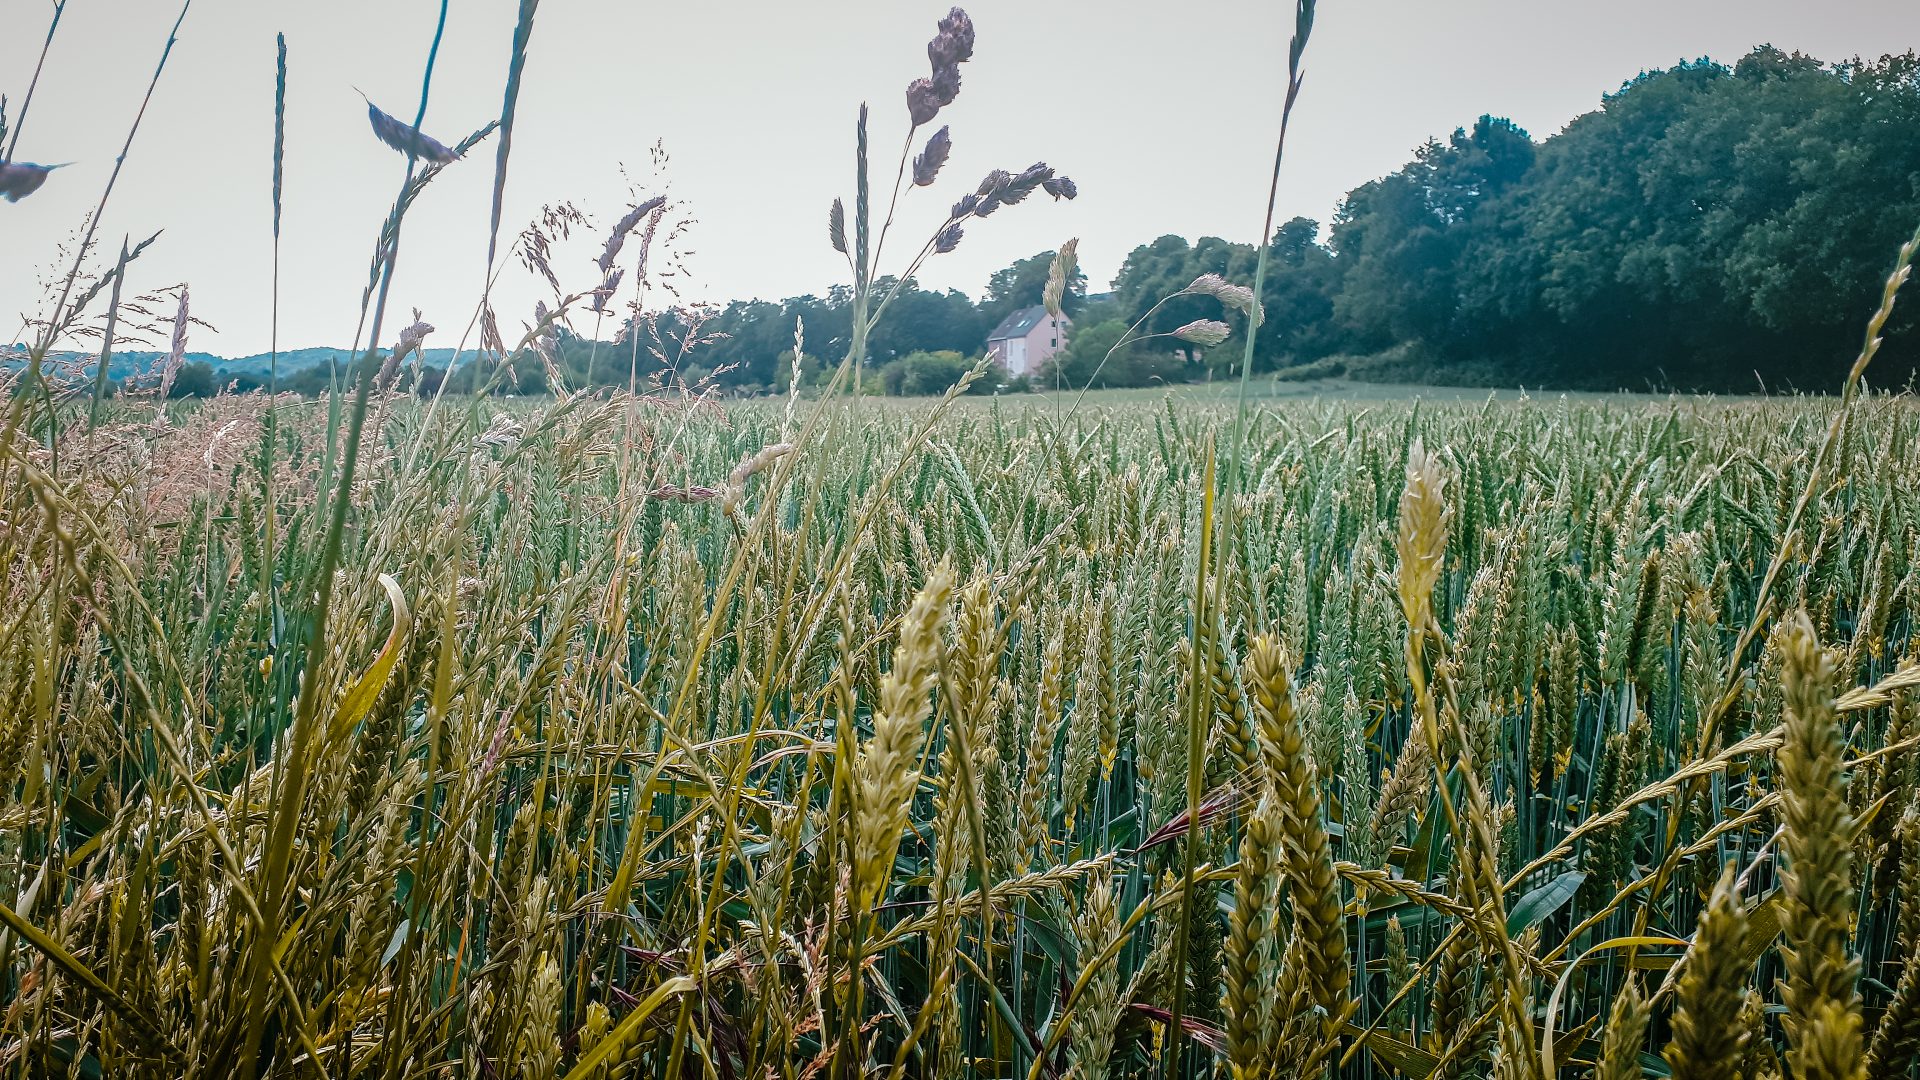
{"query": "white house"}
(1025, 339)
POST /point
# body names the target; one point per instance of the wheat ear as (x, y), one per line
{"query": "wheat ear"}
(1308, 853)
(1708, 1039)
(887, 772)
(1823, 1010)
(1897, 1038)
(1626, 1026)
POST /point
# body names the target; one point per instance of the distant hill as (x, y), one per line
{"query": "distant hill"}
(141, 361)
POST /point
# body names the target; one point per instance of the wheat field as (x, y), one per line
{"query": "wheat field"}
(645, 733)
(651, 736)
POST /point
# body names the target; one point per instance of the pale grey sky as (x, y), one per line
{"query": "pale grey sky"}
(1162, 112)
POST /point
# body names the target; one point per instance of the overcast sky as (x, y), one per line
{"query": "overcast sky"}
(1164, 113)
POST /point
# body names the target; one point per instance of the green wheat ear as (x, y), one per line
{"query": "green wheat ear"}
(1625, 1030)
(1709, 1041)
(1822, 1018)
(1308, 851)
(1897, 1037)
(888, 769)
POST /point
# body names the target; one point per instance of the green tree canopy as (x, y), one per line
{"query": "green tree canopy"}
(1023, 284)
(1705, 226)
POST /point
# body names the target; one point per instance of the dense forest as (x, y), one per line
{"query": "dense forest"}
(1708, 227)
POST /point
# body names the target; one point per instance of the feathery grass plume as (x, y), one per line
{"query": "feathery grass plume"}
(986, 197)
(756, 463)
(1024, 183)
(1066, 262)
(923, 102)
(1896, 1039)
(103, 364)
(1205, 333)
(509, 112)
(597, 300)
(1708, 1040)
(1817, 881)
(1234, 297)
(1249, 945)
(279, 126)
(490, 338)
(617, 238)
(408, 139)
(1308, 850)
(927, 163)
(1061, 187)
(1626, 1027)
(411, 337)
(409, 342)
(947, 239)
(946, 85)
(953, 44)
(887, 771)
(177, 350)
(689, 493)
(19, 179)
(837, 225)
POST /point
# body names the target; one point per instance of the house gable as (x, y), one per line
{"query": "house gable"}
(1027, 338)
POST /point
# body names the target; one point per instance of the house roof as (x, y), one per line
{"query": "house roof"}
(1018, 324)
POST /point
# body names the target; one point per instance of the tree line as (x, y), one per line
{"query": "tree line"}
(1707, 227)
